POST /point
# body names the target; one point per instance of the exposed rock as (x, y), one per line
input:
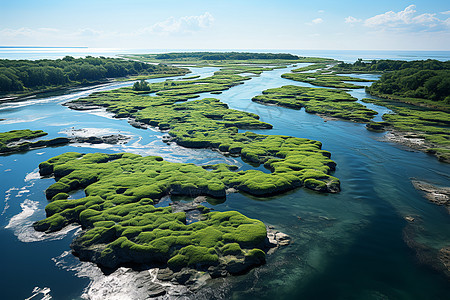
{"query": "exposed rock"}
(125, 283)
(409, 219)
(437, 195)
(137, 124)
(185, 276)
(26, 145)
(80, 106)
(112, 139)
(167, 138)
(276, 239)
(282, 239)
(165, 274)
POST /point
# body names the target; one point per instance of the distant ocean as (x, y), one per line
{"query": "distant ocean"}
(343, 55)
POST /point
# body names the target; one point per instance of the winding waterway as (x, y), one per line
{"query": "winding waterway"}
(350, 245)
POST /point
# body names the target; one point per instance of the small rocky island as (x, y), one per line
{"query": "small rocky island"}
(26, 139)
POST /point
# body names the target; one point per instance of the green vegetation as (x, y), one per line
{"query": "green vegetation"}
(420, 82)
(226, 59)
(209, 123)
(17, 135)
(311, 67)
(330, 102)
(27, 75)
(384, 65)
(431, 125)
(238, 69)
(425, 88)
(122, 225)
(141, 86)
(321, 78)
(20, 140)
(431, 85)
(225, 56)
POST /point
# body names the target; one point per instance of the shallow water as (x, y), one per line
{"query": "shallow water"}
(348, 245)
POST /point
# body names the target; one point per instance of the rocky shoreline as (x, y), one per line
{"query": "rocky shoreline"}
(435, 194)
(24, 145)
(411, 140)
(162, 283)
(144, 282)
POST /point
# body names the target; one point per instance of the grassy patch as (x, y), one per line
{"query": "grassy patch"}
(21, 140)
(326, 79)
(432, 125)
(209, 123)
(333, 103)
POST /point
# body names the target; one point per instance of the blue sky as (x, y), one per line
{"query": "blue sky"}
(228, 24)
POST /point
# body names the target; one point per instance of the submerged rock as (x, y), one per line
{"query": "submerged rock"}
(444, 257)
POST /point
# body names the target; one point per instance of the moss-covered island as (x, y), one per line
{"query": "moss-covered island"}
(326, 79)
(417, 127)
(23, 140)
(209, 123)
(26, 139)
(123, 226)
(327, 102)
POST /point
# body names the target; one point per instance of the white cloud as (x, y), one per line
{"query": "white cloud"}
(317, 21)
(321, 11)
(48, 32)
(445, 12)
(352, 20)
(27, 32)
(88, 32)
(182, 25)
(406, 19)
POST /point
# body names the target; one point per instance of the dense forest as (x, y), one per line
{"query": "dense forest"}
(415, 83)
(225, 56)
(424, 79)
(392, 65)
(25, 75)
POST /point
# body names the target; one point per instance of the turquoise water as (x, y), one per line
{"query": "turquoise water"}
(349, 245)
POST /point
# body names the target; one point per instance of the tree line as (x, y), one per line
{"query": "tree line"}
(425, 79)
(22, 75)
(392, 65)
(415, 83)
(225, 56)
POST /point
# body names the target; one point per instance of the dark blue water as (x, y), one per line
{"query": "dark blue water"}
(349, 245)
